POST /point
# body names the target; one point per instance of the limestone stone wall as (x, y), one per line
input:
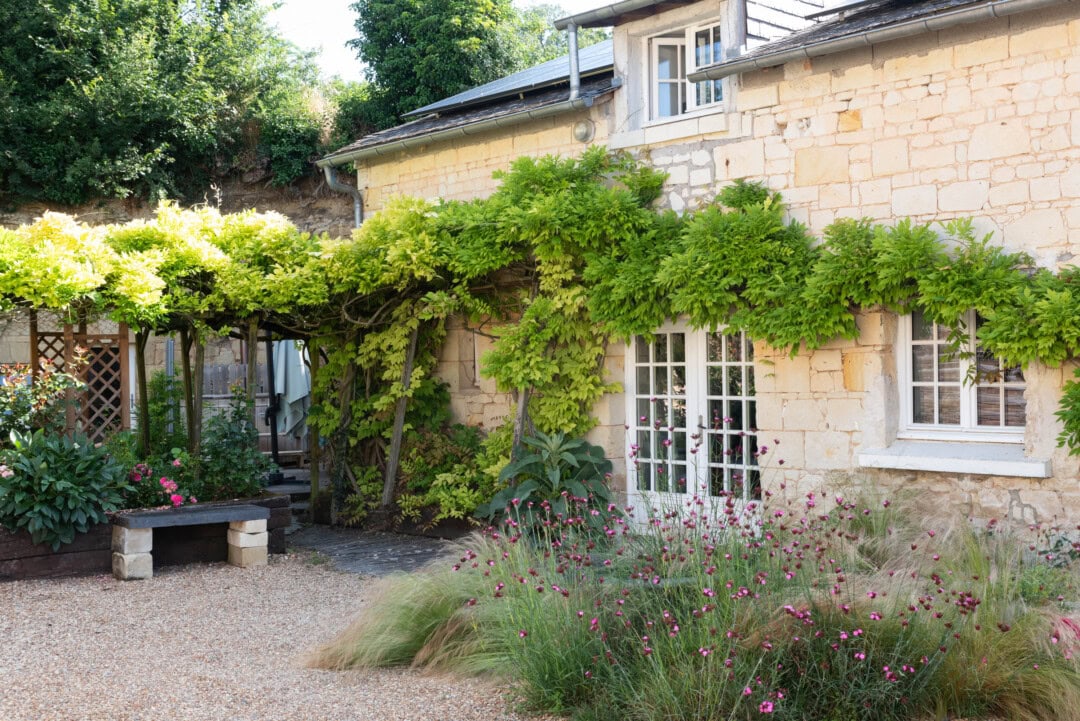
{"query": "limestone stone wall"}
(980, 120)
(461, 169)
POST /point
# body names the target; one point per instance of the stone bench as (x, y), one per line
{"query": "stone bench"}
(133, 535)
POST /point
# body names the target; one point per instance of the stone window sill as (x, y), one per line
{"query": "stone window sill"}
(991, 459)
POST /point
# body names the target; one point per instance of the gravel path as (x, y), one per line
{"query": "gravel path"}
(206, 642)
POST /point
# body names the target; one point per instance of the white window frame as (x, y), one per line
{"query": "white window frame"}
(688, 63)
(967, 429)
(696, 396)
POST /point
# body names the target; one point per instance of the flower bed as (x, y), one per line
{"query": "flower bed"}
(90, 552)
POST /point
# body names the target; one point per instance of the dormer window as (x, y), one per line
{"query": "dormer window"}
(674, 55)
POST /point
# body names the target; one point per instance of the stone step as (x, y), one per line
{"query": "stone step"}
(295, 490)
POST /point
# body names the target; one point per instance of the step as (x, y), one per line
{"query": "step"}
(294, 490)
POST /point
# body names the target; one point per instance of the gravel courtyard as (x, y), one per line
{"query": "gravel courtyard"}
(206, 642)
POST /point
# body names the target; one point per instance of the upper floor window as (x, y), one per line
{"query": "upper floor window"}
(671, 58)
(962, 395)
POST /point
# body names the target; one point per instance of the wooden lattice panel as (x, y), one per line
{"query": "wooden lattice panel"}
(103, 402)
(50, 347)
(102, 408)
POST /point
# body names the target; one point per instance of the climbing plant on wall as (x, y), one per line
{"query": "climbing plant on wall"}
(565, 256)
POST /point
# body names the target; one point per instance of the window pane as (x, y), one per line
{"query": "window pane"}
(922, 405)
(714, 347)
(667, 65)
(643, 380)
(678, 408)
(1014, 374)
(641, 349)
(948, 367)
(660, 349)
(703, 93)
(734, 348)
(678, 380)
(678, 347)
(643, 444)
(987, 368)
(644, 477)
(1015, 407)
(750, 380)
(949, 405)
(989, 406)
(703, 47)
(679, 449)
(921, 327)
(668, 104)
(660, 377)
(716, 415)
(642, 411)
(735, 385)
(922, 363)
(660, 413)
(734, 412)
(716, 380)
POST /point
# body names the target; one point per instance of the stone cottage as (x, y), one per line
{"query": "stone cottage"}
(931, 109)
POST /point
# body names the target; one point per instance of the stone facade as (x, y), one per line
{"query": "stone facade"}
(980, 120)
(461, 169)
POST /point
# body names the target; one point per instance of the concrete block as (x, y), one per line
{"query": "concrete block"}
(247, 540)
(132, 540)
(248, 526)
(248, 557)
(132, 566)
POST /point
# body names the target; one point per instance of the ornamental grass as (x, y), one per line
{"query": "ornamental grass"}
(801, 606)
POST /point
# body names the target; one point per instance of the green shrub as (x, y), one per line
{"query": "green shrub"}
(230, 464)
(57, 486)
(29, 403)
(556, 472)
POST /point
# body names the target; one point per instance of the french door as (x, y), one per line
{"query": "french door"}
(691, 417)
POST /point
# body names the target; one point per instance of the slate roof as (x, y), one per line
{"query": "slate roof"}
(866, 18)
(591, 60)
(591, 88)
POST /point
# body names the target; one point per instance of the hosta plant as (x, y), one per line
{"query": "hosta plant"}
(57, 486)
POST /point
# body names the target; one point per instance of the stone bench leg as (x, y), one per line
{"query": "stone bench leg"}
(131, 557)
(247, 543)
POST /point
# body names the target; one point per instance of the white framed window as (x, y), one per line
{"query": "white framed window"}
(949, 395)
(692, 415)
(671, 57)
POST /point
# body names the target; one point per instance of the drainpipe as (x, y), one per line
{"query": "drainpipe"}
(575, 72)
(336, 185)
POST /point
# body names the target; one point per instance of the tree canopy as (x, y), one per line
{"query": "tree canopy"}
(152, 98)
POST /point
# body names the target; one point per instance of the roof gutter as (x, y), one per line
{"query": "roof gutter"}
(601, 17)
(960, 16)
(480, 126)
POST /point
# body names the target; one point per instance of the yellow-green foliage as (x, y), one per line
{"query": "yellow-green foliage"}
(563, 257)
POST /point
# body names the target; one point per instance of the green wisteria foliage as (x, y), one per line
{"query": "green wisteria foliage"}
(564, 257)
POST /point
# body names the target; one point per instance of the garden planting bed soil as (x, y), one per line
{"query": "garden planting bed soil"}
(92, 552)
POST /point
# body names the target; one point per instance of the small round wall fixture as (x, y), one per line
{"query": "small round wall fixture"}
(584, 130)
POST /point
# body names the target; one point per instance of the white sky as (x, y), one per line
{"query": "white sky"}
(326, 25)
